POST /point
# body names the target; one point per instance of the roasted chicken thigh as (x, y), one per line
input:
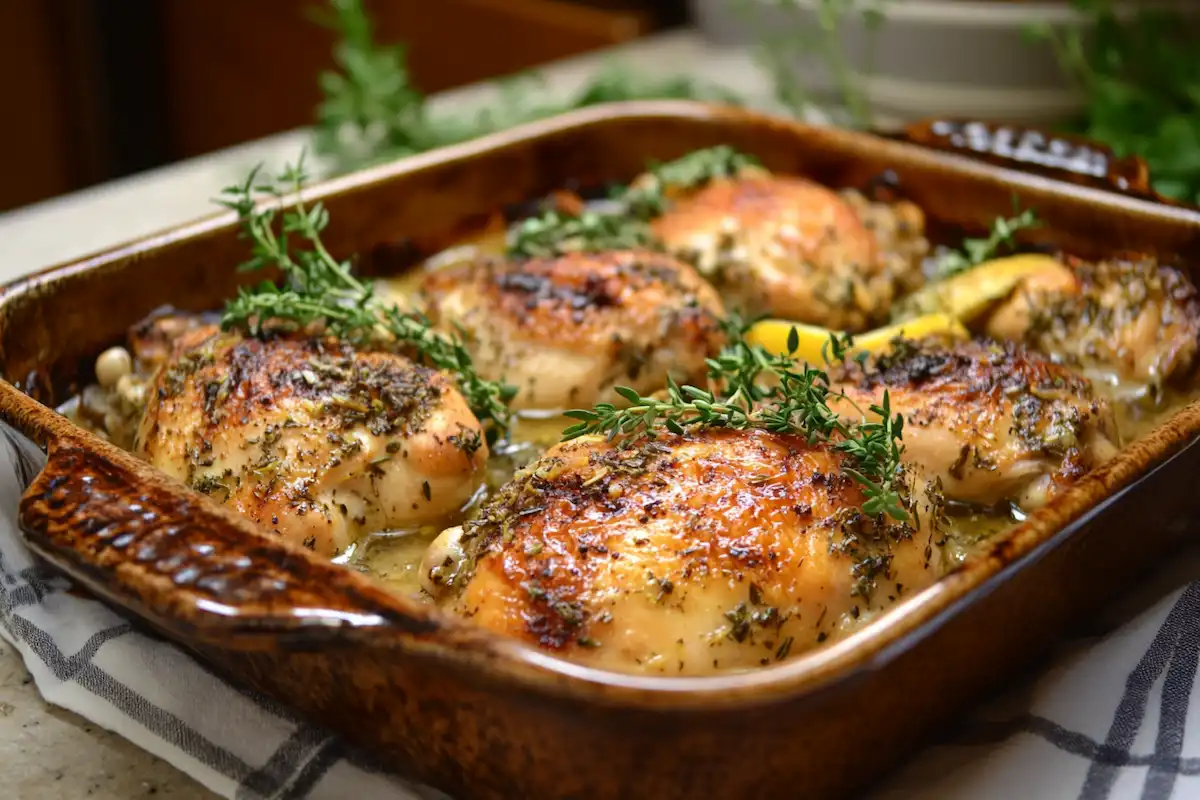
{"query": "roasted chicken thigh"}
(566, 329)
(1130, 317)
(714, 550)
(310, 438)
(792, 248)
(994, 423)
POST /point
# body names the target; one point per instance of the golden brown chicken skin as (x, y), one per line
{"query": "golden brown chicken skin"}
(692, 554)
(152, 340)
(311, 439)
(566, 330)
(789, 247)
(995, 423)
(1130, 317)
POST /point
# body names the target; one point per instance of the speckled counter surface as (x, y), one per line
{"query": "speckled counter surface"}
(46, 752)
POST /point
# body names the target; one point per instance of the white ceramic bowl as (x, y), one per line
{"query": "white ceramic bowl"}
(960, 58)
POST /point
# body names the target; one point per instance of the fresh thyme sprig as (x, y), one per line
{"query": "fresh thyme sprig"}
(796, 401)
(685, 407)
(647, 198)
(370, 109)
(319, 289)
(737, 369)
(555, 232)
(876, 447)
(976, 251)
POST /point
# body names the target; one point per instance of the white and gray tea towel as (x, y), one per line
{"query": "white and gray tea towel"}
(1111, 720)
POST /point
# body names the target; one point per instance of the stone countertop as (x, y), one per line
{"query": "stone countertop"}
(49, 752)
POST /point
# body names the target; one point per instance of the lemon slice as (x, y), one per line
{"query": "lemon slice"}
(967, 295)
(772, 335)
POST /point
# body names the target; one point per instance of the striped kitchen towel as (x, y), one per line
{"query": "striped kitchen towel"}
(1110, 720)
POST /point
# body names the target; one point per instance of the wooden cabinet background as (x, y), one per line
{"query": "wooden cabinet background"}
(49, 119)
(102, 88)
(237, 70)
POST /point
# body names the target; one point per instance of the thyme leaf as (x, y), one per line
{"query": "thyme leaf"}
(796, 401)
(285, 233)
(1002, 237)
(555, 232)
(647, 197)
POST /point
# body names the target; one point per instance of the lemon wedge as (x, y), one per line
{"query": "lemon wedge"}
(967, 295)
(813, 341)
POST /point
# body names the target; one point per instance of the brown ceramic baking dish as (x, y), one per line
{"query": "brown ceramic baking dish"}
(483, 716)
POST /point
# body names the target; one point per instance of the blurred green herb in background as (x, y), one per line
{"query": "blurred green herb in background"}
(1002, 237)
(371, 111)
(1142, 80)
(783, 53)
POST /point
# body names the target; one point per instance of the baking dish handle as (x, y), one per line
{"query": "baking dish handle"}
(1064, 157)
(193, 568)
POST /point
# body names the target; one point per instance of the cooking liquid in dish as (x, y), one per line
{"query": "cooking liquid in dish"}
(394, 557)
